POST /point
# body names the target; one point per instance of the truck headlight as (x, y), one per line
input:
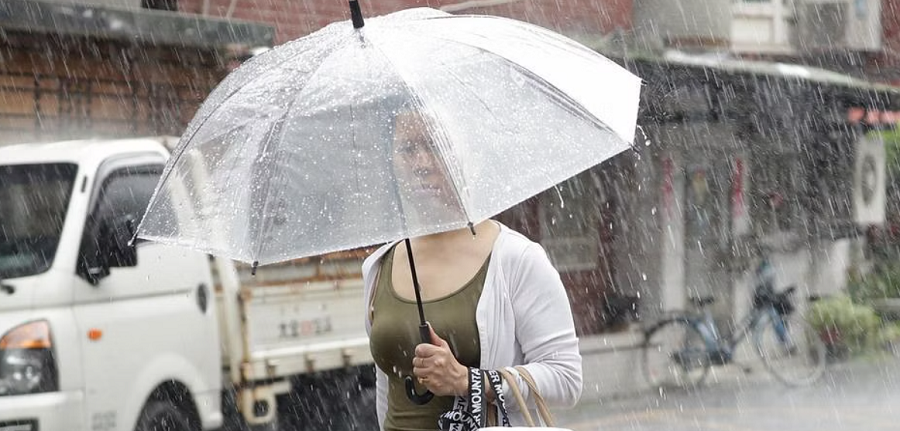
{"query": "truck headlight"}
(27, 364)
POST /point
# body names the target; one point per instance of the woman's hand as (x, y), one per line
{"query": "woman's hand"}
(438, 370)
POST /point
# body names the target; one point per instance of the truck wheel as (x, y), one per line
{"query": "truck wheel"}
(164, 416)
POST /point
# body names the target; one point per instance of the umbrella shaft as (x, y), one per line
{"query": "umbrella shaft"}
(356, 14)
(416, 287)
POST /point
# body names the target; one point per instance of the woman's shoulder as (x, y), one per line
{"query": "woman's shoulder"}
(370, 261)
(522, 261)
(512, 244)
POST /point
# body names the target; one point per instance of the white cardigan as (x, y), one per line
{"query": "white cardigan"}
(523, 318)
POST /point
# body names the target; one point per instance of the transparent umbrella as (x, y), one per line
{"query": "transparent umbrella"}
(415, 123)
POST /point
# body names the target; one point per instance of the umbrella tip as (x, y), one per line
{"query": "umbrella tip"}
(253, 268)
(472, 228)
(356, 14)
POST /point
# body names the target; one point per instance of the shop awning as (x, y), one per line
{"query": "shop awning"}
(141, 26)
(788, 77)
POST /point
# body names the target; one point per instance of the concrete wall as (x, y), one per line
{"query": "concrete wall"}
(680, 22)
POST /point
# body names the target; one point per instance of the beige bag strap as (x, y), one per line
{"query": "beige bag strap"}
(514, 388)
(543, 410)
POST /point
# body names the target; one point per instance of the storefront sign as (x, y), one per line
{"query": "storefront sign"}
(739, 216)
(668, 186)
(872, 117)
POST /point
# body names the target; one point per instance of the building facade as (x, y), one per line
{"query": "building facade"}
(857, 37)
(293, 19)
(109, 71)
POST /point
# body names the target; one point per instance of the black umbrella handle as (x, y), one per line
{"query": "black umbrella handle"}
(424, 332)
(415, 397)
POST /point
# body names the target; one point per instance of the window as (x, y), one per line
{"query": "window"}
(578, 223)
(120, 204)
(126, 193)
(569, 219)
(170, 5)
(34, 200)
(775, 187)
(706, 212)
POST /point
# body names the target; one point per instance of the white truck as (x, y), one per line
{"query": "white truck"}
(98, 335)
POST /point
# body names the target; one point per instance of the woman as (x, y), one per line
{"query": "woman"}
(493, 301)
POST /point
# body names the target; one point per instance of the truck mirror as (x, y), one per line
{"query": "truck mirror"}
(119, 250)
(111, 249)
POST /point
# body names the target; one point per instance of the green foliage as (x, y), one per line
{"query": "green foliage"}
(889, 334)
(882, 282)
(854, 326)
(892, 149)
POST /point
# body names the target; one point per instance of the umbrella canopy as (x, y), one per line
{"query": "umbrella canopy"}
(419, 122)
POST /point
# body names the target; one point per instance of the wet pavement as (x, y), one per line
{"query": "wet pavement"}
(860, 395)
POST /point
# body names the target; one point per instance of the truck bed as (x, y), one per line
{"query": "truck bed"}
(301, 317)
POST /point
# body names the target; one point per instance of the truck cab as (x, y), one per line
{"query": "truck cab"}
(94, 333)
(101, 333)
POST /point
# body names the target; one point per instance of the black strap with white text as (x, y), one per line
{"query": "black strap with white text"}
(470, 413)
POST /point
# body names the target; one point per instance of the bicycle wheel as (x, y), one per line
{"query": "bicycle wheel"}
(790, 349)
(674, 355)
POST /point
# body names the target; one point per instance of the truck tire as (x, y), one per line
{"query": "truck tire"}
(163, 415)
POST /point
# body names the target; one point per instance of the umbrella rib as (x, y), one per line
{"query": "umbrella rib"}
(281, 132)
(472, 92)
(176, 155)
(577, 107)
(443, 160)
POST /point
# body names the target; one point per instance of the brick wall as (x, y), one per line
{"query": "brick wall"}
(885, 66)
(296, 18)
(78, 87)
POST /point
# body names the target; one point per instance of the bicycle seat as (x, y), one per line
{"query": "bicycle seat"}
(701, 301)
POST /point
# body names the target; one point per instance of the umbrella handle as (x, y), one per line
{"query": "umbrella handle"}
(415, 397)
(424, 332)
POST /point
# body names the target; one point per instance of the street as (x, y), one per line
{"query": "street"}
(862, 395)
(859, 395)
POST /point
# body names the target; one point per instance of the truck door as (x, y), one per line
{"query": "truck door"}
(144, 315)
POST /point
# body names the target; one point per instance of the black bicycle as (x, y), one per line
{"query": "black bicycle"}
(679, 351)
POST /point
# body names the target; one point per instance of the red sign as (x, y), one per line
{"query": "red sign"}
(737, 189)
(872, 117)
(668, 186)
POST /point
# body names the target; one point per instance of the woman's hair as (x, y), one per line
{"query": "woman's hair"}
(409, 117)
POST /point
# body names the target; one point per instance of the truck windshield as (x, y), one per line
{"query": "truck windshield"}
(33, 203)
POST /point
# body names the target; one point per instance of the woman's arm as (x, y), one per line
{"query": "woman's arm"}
(545, 329)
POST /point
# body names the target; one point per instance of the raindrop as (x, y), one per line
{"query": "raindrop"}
(562, 203)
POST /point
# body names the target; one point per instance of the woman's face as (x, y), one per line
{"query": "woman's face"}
(417, 166)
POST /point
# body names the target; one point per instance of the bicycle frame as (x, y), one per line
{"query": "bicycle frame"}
(720, 350)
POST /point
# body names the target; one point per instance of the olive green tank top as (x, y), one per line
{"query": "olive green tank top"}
(395, 334)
